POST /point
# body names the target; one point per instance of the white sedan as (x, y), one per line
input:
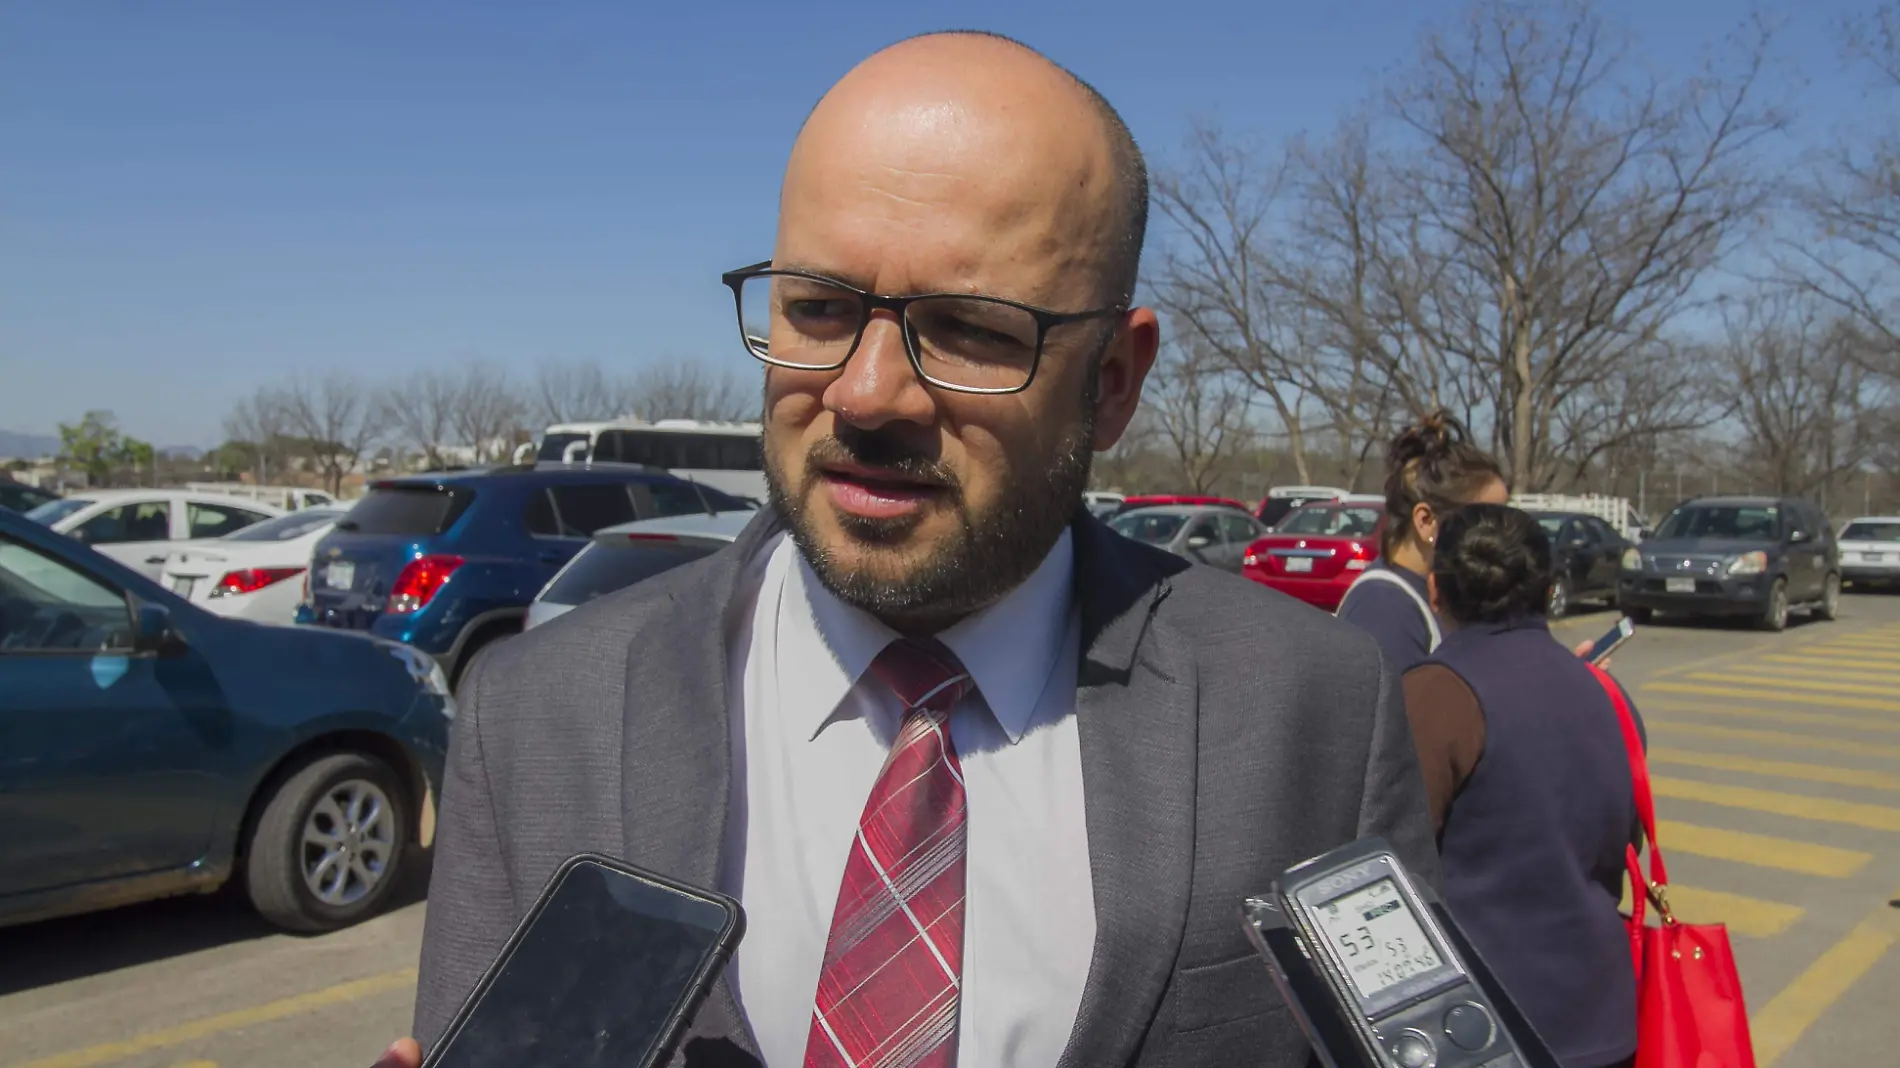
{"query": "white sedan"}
(1870, 550)
(140, 527)
(255, 574)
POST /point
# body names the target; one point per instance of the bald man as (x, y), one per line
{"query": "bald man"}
(989, 780)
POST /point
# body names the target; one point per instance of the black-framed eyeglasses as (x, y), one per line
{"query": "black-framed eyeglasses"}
(956, 341)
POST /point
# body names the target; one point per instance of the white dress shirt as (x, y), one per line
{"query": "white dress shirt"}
(811, 733)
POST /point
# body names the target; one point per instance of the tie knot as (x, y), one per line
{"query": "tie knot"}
(924, 677)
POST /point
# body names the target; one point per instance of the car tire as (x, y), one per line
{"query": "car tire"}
(328, 849)
(1558, 605)
(1830, 606)
(482, 651)
(1774, 615)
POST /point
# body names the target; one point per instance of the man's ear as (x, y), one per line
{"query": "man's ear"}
(1124, 367)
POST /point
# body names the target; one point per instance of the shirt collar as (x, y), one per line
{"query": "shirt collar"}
(1009, 648)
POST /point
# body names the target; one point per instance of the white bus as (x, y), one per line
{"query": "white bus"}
(725, 456)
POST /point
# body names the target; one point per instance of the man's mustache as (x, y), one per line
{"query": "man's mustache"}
(873, 448)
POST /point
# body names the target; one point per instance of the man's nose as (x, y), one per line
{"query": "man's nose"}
(878, 385)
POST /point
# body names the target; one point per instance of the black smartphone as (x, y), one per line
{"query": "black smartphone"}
(606, 969)
(1623, 631)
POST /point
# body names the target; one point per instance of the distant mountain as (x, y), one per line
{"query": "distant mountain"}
(29, 446)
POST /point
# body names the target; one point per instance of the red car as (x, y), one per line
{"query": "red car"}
(1318, 550)
(1151, 500)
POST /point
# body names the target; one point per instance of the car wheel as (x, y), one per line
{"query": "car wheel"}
(1559, 598)
(1830, 606)
(329, 847)
(1774, 616)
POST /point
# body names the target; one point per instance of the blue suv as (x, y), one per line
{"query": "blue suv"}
(150, 748)
(450, 562)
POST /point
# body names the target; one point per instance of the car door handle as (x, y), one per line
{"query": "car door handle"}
(549, 556)
(154, 559)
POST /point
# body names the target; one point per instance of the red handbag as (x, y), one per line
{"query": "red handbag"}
(1689, 1008)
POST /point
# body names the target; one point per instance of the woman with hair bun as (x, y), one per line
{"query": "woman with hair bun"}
(1529, 783)
(1431, 469)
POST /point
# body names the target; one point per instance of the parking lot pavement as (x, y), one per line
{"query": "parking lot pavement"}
(1777, 769)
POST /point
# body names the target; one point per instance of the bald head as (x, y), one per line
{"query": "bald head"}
(981, 132)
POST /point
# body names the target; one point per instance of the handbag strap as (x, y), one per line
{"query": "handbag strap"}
(1656, 886)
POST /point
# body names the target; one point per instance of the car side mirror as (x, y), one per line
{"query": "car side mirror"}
(1645, 534)
(1801, 537)
(152, 631)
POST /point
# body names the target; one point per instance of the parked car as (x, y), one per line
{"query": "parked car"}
(1735, 556)
(1281, 500)
(256, 573)
(1178, 500)
(1211, 534)
(1318, 550)
(1586, 556)
(139, 527)
(17, 496)
(619, 556)
(1102, 504)
(448, 562)
(1870, 551)
(150, 748)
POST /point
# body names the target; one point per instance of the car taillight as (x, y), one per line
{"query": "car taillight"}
(421, 578)
(252, 579)
(1359, 556)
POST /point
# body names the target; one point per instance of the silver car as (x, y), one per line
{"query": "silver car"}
(1870, 550)
(1216, 535)
(619, 556)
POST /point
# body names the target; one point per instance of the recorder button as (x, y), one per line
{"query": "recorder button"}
(1413, 1050)
(1469, 1026)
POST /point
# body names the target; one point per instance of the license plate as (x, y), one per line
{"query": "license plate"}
(340, 575)
(182, 586)
(1872, 558)
(1297, 564)
(1679, 585)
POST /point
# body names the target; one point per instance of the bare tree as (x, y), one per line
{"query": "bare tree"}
(259, 422)
(338, 419)
(1196, 414)
(1852, 257)
(1803, 400)
(689, 391)
(1571, 203)
(577, 391)
(487, 410)
(421, 412)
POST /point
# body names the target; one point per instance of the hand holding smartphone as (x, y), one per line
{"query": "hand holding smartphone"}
(606, 970)
(1600, 649)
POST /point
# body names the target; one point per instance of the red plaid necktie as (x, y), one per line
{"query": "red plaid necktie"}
(888, 991)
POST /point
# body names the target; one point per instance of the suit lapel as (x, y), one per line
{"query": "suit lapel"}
(1138, 726)
(676, 757)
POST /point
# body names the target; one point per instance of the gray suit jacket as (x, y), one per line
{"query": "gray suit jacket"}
(1227, 733)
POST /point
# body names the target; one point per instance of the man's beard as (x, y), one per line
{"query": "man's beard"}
(990, 553)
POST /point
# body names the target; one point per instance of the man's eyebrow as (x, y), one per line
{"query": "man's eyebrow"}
(822, 272)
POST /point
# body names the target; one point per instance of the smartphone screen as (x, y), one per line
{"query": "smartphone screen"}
(1607, 644)
(599, 974)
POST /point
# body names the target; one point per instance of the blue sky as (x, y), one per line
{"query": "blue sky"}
(199, 198)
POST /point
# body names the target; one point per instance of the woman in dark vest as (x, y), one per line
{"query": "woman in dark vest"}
(1430, 470)
(1529, 784)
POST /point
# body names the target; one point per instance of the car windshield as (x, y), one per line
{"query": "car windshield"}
(1733, 522)
(604, 567)
(1871, 532)
(407, 508)
(1155, 528)
(53, 511)
(1552, 524)
(1337, 522)
(287, 527)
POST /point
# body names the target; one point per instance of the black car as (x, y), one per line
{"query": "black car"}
(1586, 553)
(1757, 557)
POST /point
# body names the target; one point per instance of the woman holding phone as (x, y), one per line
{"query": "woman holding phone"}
(1529, 784)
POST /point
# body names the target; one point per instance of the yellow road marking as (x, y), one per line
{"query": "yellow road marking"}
(198, 1064)
(1743, 915)
(1779, 738)
(1800, 806)
(1891, 678)
(1859, 660)
(1868, 703)
(1786, 769)
(1782, 1021)
(1803, 685)
(107, 1052)
(1761, 850)
(1817, 719)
